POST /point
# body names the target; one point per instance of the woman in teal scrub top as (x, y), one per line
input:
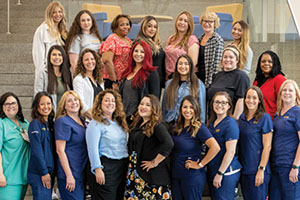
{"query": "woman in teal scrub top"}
(14, 150)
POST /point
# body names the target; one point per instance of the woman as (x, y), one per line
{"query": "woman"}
(181, 42)
(184, 83)
(41, 164)
(115, 51)
(285, 155)
(224, 170)
(269, 78)
(139, 79)
(106, 138)
(70, 147)
(56, 78)
(232, 80)
(51, 32)
(241, 39)
(149, 145)
(88, 80)
(188, 172)
(83, 34)
(14, 149)
(256, 130)
(149, 32)
(211, 47)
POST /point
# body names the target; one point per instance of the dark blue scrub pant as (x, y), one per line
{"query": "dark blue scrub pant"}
(77, 194)
(39, 192)
(189, 188)
(280, 186)
(249, 190)
(226, 191)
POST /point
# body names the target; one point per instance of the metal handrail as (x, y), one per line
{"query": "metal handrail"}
(8, 14)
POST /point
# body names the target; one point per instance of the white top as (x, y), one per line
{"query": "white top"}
(84, 41)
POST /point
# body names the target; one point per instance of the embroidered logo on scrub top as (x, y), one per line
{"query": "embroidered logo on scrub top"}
(286, 117)
(255, 122)
(44, 129)
(217, 130)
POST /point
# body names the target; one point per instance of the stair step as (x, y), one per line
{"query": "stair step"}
(17, 79)
(16, 38)
(17, 68)
(19, 90)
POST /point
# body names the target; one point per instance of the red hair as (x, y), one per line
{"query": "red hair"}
(141, 76)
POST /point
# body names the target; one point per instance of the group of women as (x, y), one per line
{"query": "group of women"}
(119, 140)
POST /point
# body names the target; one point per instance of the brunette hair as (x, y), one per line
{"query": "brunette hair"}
(297, 91)
(115, 23)
(172, 90)
(64, 68)
(3, 98)
(155, 119)
(195, 123)
(61, 110)
(236, 52)
(261, 105)
(75, 29)
(35, 106)
(141, 76)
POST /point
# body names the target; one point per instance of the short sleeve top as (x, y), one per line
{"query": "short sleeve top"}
(84, 41)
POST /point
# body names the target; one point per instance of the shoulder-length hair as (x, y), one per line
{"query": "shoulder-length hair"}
(59, 34)
(244, 41)
(172, 90)
(210, 16)
(3, 98)
(213, 115)
(61, 110)
(35, 106)
(141, 76)
(155, 119)
(119, 115)
(276, 68)
(279, 100)
(236, 52)
(184, 41)
(97, 73)
(75, 29)
(195, 122)
(64, 68)
(115, 23)
(153, 42)
(261, 105)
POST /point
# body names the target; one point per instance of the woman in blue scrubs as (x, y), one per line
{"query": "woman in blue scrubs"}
(224, 169)
(188, 172)
(285, 155)
(70, 147)
(256, 131)
(41, 164)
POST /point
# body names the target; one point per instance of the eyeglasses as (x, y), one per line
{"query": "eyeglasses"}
(222, 103)
(12, 104)
(207, 21)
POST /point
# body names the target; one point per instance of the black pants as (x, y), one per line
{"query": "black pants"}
(115, 177)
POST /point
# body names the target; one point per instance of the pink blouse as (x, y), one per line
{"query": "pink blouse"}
(121, 50)
(172, 53)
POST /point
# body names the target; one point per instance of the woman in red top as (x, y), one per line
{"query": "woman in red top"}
(269, 78)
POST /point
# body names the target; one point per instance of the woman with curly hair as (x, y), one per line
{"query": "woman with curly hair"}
(83, 34)
(88, 80)
(181, 42)
(106, 138)
(149, 145)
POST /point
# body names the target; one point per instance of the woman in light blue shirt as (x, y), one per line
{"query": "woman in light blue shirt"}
(106, 138)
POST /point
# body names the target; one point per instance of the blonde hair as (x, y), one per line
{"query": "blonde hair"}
(59, 32)
(295, 85)
(61, 110)
(211, 16)
(184, 41)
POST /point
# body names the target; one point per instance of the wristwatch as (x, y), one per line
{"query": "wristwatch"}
(295, 167)
(220, 173)
(262, 168)
(201, 166)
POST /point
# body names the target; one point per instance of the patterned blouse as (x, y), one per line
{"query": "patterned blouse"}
(121, 50)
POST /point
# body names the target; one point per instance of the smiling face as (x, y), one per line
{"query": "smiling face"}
(10, 107)
(138, 54)
(208, 25)
(56, 58)
(45, 107)
(151, 28)
(288, 94)
(252, 100)
(229, 61)
(123, 27)
(108, 105)
(237, 31)
(221, 105)
(266, 64)
(145, 108)
(57, 15)
(187, 111)
(85, 23)
(183, 68)
(182, 23)
(89, 62)
(72, 104)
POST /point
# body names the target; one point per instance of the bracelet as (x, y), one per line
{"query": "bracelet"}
(201, 166)
(220, 173)
(295, 167)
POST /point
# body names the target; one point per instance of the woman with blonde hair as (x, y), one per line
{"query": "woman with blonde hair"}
(71, 148)
(106, 138)
(285, 155)
(51, 32)
(149, 33)
(241, 37)
(211, 47)
(181, 42)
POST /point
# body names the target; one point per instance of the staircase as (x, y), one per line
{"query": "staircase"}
(16, 65)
